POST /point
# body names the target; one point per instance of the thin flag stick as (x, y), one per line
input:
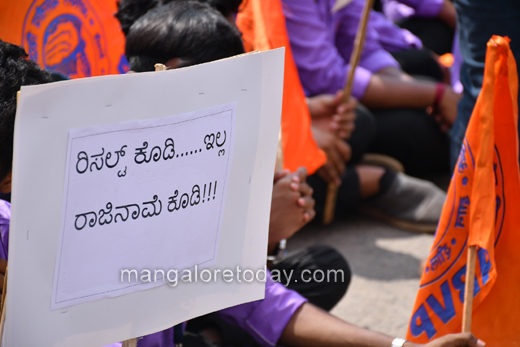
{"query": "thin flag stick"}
(130, 343)
(332, 191)
(133, 342)
(468, 291)
(279, 153)
(160, 67)
(2, 316)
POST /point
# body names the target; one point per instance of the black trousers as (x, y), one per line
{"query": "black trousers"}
(412, 137)
(419, 62)
(322, 293)
(433, 32)
(308, 265)
(408, 135)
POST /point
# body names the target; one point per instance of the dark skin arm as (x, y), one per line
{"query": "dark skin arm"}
(388, 91)
(330, 113)
(448, 13)
(310, 326)
(3, 268)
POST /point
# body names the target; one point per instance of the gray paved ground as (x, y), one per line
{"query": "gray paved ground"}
(384, 262)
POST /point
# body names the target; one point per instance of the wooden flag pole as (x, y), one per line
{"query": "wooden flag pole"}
(130, 343)
(2, 308)
(133, 342)
(358, 48)
(279, 153)
(468, 291)
(160, 67)
(332, 191)
(4, 291)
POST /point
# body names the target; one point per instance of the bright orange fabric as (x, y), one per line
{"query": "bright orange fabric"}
(78, 38)
(263, 27)
(482, 209)
(446, 60)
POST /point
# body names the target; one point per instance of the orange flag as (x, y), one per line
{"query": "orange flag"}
(263, 27)
(81, 38)
(78, 38)
(482, 209)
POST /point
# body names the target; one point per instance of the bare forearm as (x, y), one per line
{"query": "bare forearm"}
(391, 92)
(448, 14)
(312, 327)
(394, 72)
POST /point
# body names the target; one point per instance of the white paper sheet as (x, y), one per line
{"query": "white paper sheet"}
(46, 118)
(155, 189)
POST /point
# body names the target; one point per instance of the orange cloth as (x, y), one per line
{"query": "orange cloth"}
(263, 27)
(447, 60)
(482, 209)
(78, 38)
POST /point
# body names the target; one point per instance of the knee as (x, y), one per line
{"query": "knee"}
(365, 122)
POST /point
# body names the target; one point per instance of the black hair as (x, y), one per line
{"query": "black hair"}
(226, 7)
(16, 70)
(189, 30)
(128, 11)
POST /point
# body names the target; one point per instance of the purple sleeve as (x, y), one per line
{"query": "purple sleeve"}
(374, 57)
(396, 11)
(5, 217)
(421, 8)
(455, 68)
(391, 37)
(321, 67)
(161, 339)
(266, 319)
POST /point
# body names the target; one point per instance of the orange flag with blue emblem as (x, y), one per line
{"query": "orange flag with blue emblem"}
(77, 38)
(482, 209)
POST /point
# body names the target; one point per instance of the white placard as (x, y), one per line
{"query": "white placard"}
(57, 122)
(155, 189)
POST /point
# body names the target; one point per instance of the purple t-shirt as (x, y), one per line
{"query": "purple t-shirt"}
(397, 10)
(391, 37)
(322, 43)
(5, 217)
(264, 319)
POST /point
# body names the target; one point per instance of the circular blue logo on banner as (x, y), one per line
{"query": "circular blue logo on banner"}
(66, 36)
